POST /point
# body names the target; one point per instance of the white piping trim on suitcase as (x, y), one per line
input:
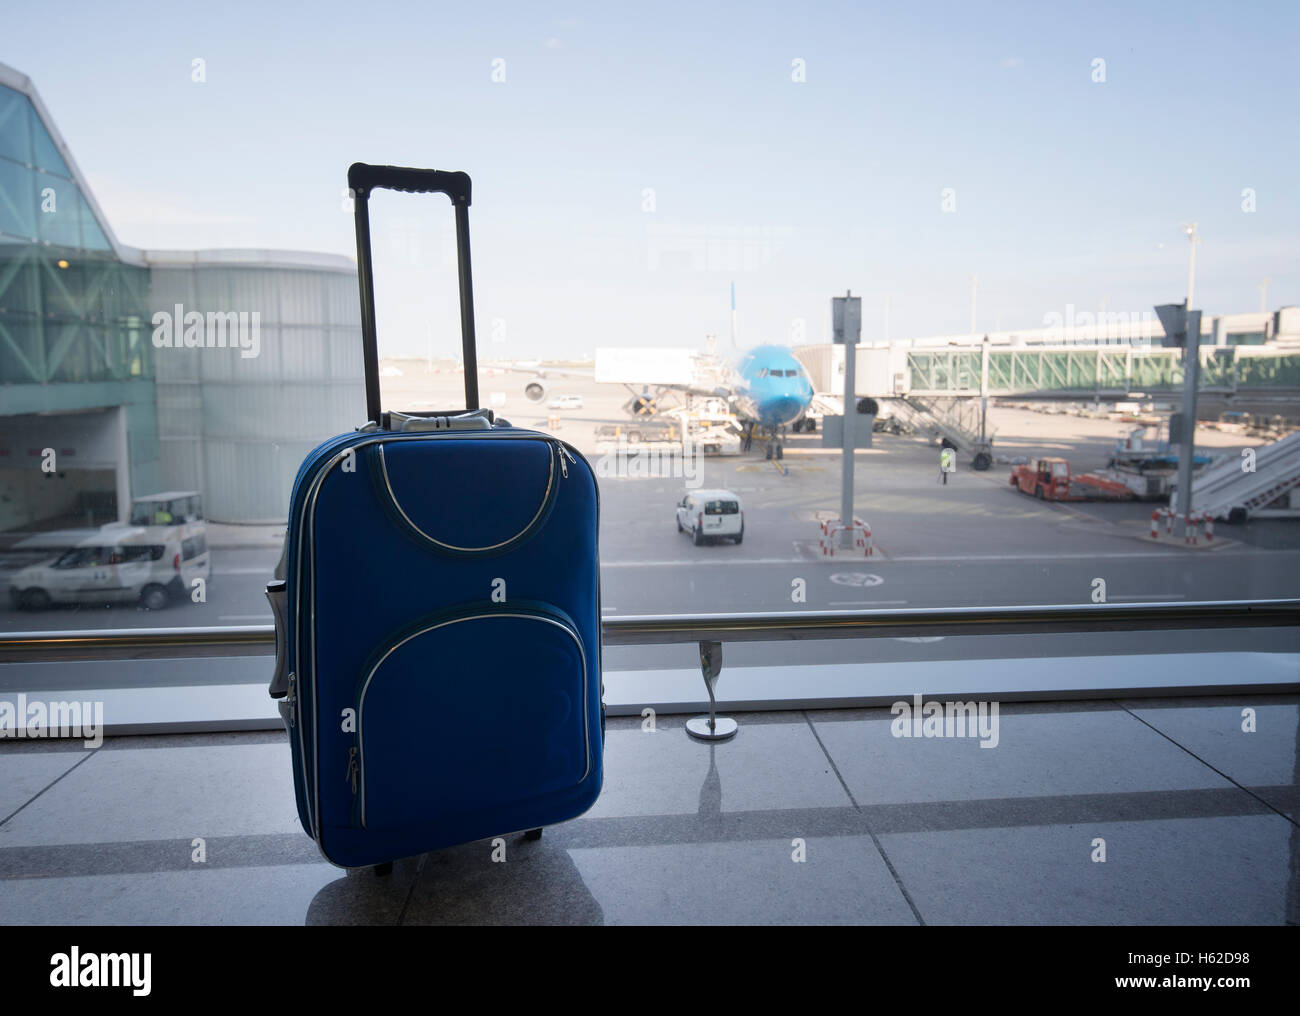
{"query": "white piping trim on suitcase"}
(365, 687)
(550, 482)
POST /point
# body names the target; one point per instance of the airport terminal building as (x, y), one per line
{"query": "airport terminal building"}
(260, 356)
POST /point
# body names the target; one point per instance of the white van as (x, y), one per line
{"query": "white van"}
(711, 514)
(118, 564)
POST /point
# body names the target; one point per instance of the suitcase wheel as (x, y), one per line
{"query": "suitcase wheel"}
(384, 869)
(533, 834)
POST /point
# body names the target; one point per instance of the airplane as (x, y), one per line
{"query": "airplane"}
(767, 386)
(770, 390)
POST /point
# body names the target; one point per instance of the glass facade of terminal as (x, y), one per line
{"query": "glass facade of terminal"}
(80, 371)
(76, 370)
(70, 310)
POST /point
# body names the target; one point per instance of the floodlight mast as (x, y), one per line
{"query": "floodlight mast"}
(846, 318)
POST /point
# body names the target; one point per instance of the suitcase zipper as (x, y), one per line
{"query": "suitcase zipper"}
(354, 768)
(564, 455)
(558, 453)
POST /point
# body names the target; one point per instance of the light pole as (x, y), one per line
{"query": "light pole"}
(846, 317)
(1192, 240)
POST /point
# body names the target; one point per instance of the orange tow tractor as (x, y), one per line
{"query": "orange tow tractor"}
(1049, 479)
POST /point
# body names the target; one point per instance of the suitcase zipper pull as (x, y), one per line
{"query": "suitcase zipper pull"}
(352, 768)
(564, 455)
(293, 698)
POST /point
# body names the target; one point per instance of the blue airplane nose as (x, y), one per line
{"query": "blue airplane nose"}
(784, 409)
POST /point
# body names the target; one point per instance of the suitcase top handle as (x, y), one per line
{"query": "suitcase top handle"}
(363, 178)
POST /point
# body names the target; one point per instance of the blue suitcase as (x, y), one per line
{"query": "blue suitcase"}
(438, 613)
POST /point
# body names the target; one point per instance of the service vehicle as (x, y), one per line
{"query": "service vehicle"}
(117, 564)
(711, 515)
(1049, 479)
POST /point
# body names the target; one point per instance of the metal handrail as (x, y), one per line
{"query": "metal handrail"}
(725, 628)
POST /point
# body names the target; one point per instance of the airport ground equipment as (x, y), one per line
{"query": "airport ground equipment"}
(961, 421)
(1147, 447)
(820, 406)
(1237, 487)
(438, 619)
(1049, 479)
(662, 435)
(708, 426)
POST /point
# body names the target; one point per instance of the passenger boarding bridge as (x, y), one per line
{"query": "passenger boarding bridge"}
(1098, 372)
(1255, 354)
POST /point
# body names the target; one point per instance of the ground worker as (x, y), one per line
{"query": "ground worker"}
(947, 463)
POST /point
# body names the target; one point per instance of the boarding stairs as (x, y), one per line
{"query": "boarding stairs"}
(1226, 490)
(957, 420)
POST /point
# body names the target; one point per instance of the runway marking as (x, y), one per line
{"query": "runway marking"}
(1118, 555)
(859, 579)
(955, 558)
(702, 561)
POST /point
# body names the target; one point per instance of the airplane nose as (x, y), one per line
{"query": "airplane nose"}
(785, 408)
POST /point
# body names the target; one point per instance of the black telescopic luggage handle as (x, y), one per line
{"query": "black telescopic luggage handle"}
(362, 179)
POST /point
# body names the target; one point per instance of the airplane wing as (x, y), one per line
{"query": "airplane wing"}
(538, 370)
(661, 368)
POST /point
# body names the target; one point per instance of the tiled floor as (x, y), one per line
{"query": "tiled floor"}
(1198, 819)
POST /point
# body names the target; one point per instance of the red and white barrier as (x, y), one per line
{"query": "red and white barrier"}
(1199, 523)
(830, 541)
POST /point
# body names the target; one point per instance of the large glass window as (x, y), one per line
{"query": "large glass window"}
(1015, 414)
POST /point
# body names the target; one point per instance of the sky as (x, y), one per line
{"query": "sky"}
(631, 161)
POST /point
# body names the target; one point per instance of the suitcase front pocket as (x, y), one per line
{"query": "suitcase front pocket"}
(477, 495)
(470, 713)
